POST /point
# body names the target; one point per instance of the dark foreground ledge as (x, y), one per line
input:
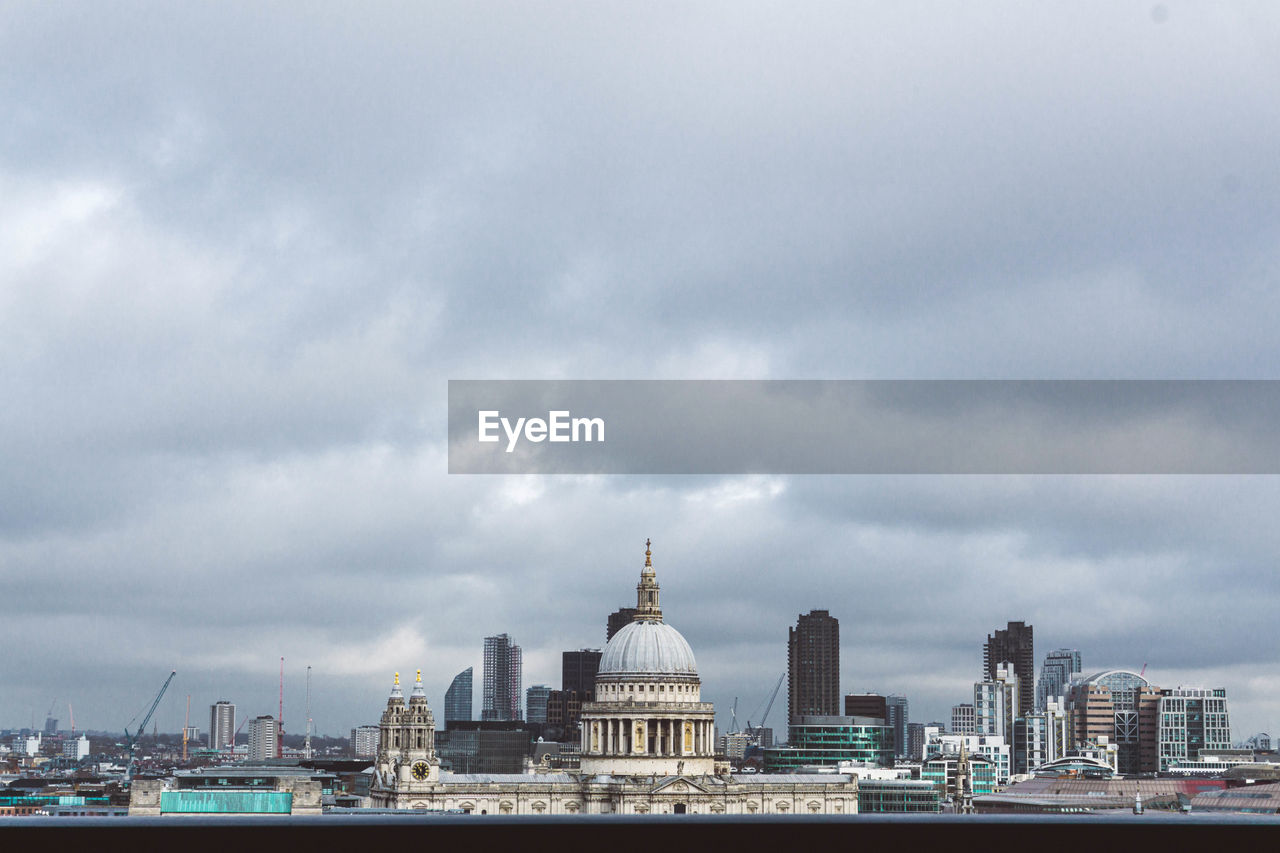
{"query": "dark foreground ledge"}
(608, 834)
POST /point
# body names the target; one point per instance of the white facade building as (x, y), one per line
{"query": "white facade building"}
(264, 738)
(991, 747)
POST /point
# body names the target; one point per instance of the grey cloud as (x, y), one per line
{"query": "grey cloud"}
(232, 377)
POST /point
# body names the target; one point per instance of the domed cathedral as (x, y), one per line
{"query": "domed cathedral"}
(407, 740)
(647, 748)
(648, 717)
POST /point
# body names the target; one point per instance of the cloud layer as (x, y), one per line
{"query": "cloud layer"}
(244, 248)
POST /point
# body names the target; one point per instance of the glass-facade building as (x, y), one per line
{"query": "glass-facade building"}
(826, 741)
(457, 699)
(941, 770)
(897, 796)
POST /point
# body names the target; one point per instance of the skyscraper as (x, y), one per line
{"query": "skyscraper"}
(1013, 644)
(578, 671)
(897, 720)
(813, 667)
(222, 724)
(502, 676)
(264, 738)
(619, 619)
(1055, 674)
(457, 699)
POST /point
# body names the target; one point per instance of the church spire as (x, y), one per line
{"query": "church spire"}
(647, 609)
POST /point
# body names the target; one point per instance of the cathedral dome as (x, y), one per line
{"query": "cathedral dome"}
(646, 649)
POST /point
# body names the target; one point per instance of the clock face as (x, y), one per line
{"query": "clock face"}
(421, 770)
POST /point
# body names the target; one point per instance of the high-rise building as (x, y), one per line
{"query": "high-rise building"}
(813, 666)
(1055, 674)
(963, 721)
(364, 741)
(578, 671)
(536, 703)
(1192, 721)
(897, 720)
(915, 741)
(222, 724)
(264, 738)
(1039, 738)
(502, 676)
(457, 699)
(995, 703)
(619, 619)
(1016, 646)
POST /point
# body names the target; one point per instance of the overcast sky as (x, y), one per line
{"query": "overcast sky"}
(243, 247)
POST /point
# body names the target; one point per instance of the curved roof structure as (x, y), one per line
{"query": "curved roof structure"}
(646, 648)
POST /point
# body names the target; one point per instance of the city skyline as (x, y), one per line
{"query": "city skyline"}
(815, 617)
(244, 251)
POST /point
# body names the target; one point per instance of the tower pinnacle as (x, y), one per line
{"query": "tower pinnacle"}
(647, 608)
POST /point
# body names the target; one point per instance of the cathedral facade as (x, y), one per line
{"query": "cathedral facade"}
(648, 744)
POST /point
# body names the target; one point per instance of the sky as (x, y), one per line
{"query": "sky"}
(244, 247)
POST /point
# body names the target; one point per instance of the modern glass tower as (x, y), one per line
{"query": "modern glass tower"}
(457, 699)
(1055, 675)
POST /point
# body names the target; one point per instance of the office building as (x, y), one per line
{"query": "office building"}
(1191, 721)
(828, 741)
(963, 721)
(1056, 672)
(264, 738)
(1014, 645)
(991, 747)
(619, 619)
(995, 703)
(915, 742)
(1121, 707)
(866, 705)
(897, 721)
(457, 699)
(222, 724)
(578, 671)
(536, 703)
(364, 741)
(76, 748)
(502, 675)
(813, 667)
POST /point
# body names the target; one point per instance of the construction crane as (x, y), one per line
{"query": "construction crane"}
(306, 747)
(232, 746)
(132, 741)
(733, 726)
(769, 707)
(280, 739)
(72, 714)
